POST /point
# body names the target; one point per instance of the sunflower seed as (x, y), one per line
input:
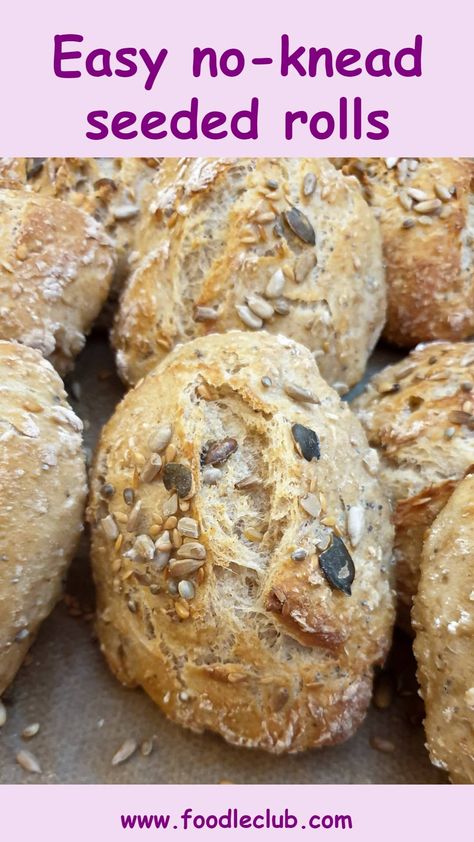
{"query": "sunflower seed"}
(30, 731)
(303, 266)
(151, 469)
(276, 284)
(160, 438)
(185, 567)
(192, 549)
(211, 476)
(3, 714)
(355, 524)
(28, 762)
(125, 751)
(309, 184)
(265, 217)
(248, 318)
(163, 544)
(442, 192)
(259, 306)
(186, 589)
(299, 555)
(219, 451)
(251, 481)
(307, 442)
(170, 506)
(188, 527)
(299, 394)
(205, 314)
(281, 306)
(417, 195)
(337, 565)
(311, 504)
(427, 207)
(178, 478)
(405, 200)
(161, 559)
(408, 222)
(110, 527)
(144, 547)
(134, 517)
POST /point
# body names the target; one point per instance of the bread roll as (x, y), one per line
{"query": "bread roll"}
(426, 212)
(233, 495)
(288, 244)
(419, 414)
(444, 646)
(55, 272)
(42, 493)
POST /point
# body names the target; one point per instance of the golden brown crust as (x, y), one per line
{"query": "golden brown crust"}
(220, 230)
(55, 273)
(443, 617)
(42, 494)
(419, 414)
(256, 645)
(429, 255)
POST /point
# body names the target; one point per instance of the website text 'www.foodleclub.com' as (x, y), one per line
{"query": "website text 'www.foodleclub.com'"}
(233, 819)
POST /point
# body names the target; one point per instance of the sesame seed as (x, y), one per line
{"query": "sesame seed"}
(266, 381)
(129, 496)
(182, 609)
(189, 527)
(384, 746)
(205, 314)
(311, 504)
(3, 714)
(299, 555)
(309, 184)
(391, 162)
(146, 748)
(110, 527)
(133, 519)
(408, 222)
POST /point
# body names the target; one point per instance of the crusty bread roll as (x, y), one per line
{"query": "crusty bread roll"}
(288, 244)
(426, 212)
(443, 617)
(55, 272)
(42, 493)
(241, 545)
(12, 172)
(419, 414)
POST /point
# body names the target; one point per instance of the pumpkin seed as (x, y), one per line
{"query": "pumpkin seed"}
(299, 223)
(178, 478)
(337, 565)
(307, 442)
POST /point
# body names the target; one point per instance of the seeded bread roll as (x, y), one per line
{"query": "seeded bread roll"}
(12, 172)
(426, 212)
(285, 244)
(55, 273)
(419, 414)
(240, 545)
(443, 617)
(42, 493)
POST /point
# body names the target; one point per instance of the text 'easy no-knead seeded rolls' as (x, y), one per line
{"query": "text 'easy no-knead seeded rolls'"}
(287, 245)
(42, 495)
(240, 545)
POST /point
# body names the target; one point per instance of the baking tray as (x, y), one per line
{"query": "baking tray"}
(85, 714)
